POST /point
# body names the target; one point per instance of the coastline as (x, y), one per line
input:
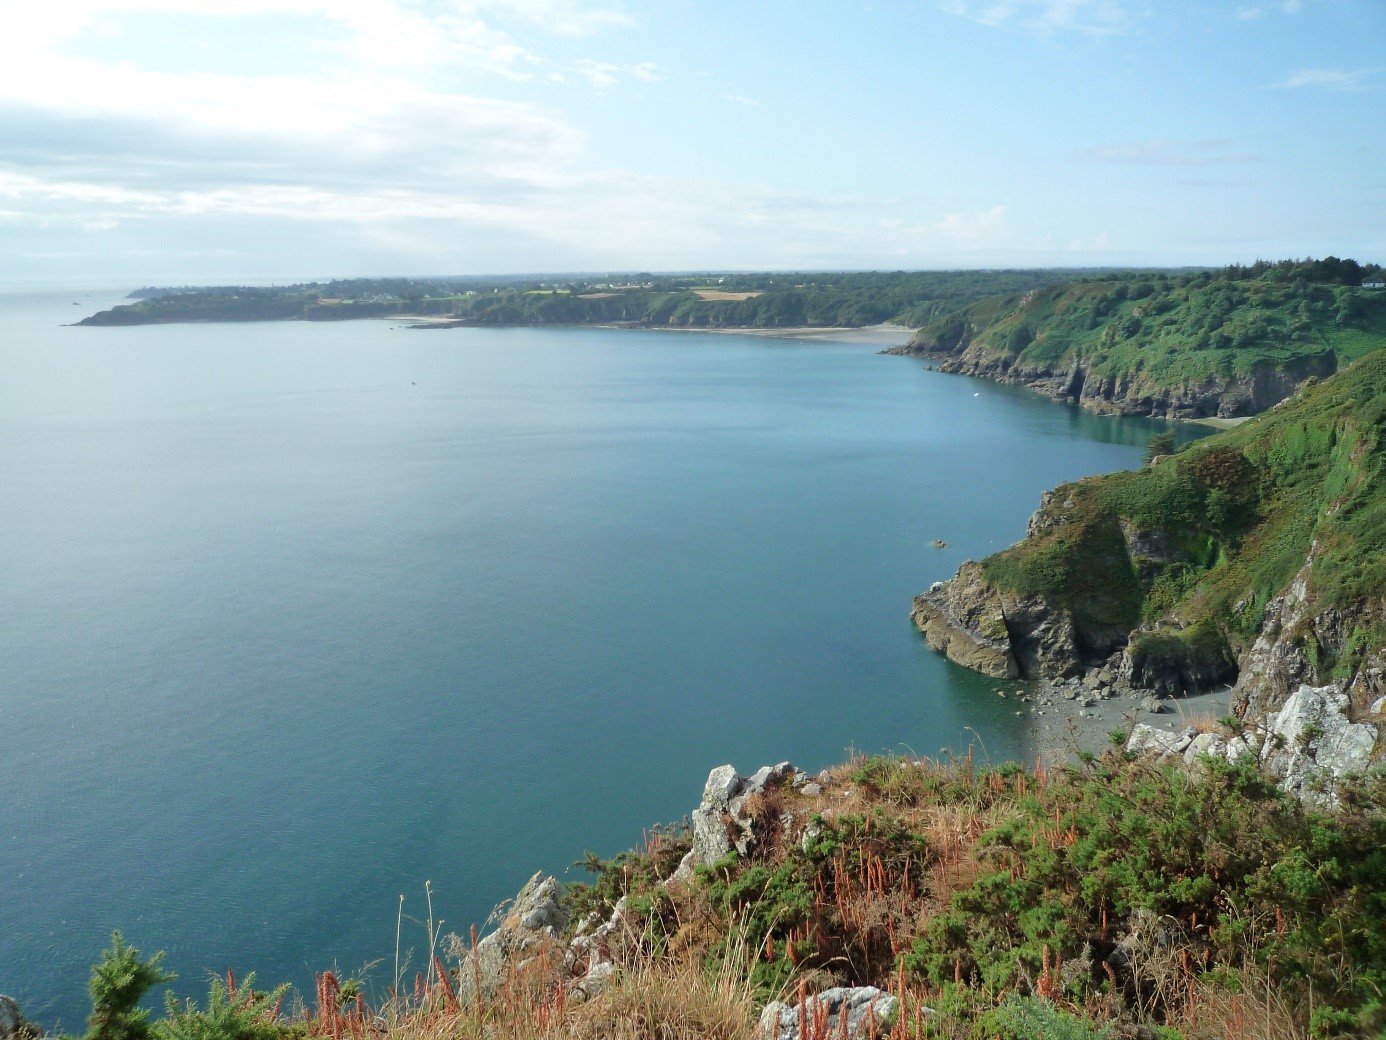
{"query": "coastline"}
(884, 335)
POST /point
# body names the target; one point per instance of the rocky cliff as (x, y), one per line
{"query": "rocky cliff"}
(1133, 393)
(1227, 344)
(1256, 556)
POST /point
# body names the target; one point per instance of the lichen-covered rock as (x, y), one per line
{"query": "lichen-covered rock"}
(1307, 746)
(1149, 740)
(1312, 743)
(851, 1012)
(721, 822)
(533, 924)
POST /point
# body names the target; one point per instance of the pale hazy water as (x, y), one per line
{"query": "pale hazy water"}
(294, 616)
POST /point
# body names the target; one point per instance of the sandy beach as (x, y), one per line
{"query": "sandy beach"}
(883, 335)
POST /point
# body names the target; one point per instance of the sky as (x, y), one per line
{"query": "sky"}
(189, 141)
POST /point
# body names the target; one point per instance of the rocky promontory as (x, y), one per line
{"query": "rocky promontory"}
(1250, 559)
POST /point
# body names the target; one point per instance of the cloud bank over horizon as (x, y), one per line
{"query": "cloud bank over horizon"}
(198, 140)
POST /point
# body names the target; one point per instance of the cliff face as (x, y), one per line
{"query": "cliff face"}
(1133, 394)
(1304, 641)
(1256, 556)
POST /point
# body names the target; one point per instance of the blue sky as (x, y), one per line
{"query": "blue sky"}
(210, 140)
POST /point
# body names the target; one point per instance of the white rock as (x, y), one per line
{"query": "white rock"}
(1146, 739)
(1205, 744)
(1313, 743)
(868, 1012)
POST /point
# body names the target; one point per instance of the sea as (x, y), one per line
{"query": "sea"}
(297, 619)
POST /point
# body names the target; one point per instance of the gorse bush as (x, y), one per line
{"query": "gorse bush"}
(231, 1014)
(119, 981)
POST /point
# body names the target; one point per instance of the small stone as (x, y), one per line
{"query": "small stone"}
(1154, 706)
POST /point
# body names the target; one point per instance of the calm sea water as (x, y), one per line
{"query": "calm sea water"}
(295, 617)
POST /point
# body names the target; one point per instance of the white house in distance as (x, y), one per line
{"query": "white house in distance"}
(1374, 283)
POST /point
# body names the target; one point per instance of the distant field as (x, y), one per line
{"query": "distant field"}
(718, 294)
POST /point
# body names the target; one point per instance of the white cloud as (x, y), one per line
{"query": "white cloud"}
(1044, 17)
(738, 99)
(972, 229)
(647, 71)
(1328, 79)
(599, 74)
(1098, 243)
(568, 17)
(1210, 152)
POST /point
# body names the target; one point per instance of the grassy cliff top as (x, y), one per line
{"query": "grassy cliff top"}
(1178, 329)
(1231, 519)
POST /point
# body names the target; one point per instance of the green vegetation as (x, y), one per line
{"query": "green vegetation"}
(1197, 544)
(119, 982)
(1113, 898)
(1153, 330)
(776, 300)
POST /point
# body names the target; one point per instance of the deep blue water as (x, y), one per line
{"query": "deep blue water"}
(295, 617)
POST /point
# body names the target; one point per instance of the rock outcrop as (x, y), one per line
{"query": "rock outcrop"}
(852, 1012)
(964, 619)
(723, 820)
(1298, 637)
(1308, 746)
(533, 926)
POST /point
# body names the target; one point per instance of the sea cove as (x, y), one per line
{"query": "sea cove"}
(300, 616)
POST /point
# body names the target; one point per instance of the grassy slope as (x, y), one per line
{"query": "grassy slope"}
(1176, 330)
(1241, 508)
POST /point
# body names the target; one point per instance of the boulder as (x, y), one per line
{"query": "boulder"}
(866, 1011)
(1312, 743)
(1148, 740)
(1205, 744)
